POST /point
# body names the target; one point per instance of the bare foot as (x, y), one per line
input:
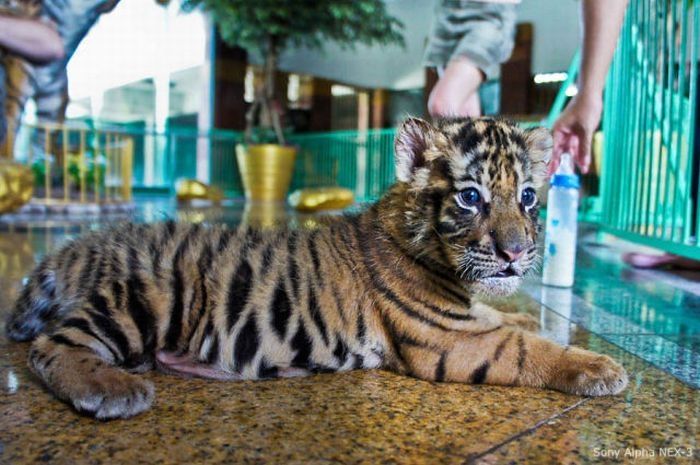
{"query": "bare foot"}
(649, 261)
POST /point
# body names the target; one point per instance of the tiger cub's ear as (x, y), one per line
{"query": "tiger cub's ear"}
(539, 144)
(413, 139)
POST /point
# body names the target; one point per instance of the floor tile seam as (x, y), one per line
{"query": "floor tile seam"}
(472, 458)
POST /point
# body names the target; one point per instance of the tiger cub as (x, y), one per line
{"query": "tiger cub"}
(392, 287)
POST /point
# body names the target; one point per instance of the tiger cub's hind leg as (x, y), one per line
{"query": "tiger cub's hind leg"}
(35, 307)
(78, 364)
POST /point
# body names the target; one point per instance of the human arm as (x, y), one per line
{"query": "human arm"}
(31, 39)
(573, 131)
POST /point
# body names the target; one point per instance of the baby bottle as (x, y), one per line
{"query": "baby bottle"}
(560, 231)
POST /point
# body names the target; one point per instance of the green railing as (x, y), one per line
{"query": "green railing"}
(160, 158)
(358, 160)
(650, 170)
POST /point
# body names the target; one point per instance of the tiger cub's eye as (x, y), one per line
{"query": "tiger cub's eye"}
(469, 198)
(528, 197)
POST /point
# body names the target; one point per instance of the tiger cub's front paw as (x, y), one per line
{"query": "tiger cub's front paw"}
(588, 374)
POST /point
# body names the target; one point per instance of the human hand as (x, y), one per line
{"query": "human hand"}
(573, 131)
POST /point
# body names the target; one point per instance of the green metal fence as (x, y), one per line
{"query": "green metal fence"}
(358, 160)
(650, 169)
(160, 158)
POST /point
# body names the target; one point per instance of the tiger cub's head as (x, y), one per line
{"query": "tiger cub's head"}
(466, 197)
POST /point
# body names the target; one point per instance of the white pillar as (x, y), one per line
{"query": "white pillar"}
(205, 115)
(162, 163)
(161, 83)
(362, 127)
(97, 100)
(149, 156)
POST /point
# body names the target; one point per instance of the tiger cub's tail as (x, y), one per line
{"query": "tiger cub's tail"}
(36, 306)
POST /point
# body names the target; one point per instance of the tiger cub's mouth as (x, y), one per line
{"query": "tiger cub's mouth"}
(508, 272)
(503, 282)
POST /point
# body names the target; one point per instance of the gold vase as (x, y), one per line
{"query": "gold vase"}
(187, 190)
(266, 170)
(16, 185)
(264, 215)
(321, 198)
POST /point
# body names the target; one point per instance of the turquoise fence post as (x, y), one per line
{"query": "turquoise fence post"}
(649, 185)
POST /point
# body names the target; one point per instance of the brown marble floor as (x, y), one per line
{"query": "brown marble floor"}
(361, 417)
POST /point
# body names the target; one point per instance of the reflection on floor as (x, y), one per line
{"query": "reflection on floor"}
(649, 321)
(652, 314)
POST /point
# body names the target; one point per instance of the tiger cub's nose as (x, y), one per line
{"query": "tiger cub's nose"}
(511, 253)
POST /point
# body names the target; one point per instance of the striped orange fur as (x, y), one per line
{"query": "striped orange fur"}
(393, 287)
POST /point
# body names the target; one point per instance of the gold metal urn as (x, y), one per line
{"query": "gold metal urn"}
(187, 190)
(266, 170)
(321, 198)
(16, 185)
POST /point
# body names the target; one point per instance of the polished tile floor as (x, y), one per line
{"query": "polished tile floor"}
(652, 314)
(648, 321)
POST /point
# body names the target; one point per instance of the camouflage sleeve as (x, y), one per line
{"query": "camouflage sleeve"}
(21, 9)
(3, 92)
(481, 31)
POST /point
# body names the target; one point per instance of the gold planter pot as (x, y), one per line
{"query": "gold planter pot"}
(266, 170)
(16, 185)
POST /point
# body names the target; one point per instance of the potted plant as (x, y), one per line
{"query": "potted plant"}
(267, 28)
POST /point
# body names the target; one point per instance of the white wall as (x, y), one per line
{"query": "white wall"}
(556, 39)
(140, 39)
(557, 32)
(137, 40)
(376, 66)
